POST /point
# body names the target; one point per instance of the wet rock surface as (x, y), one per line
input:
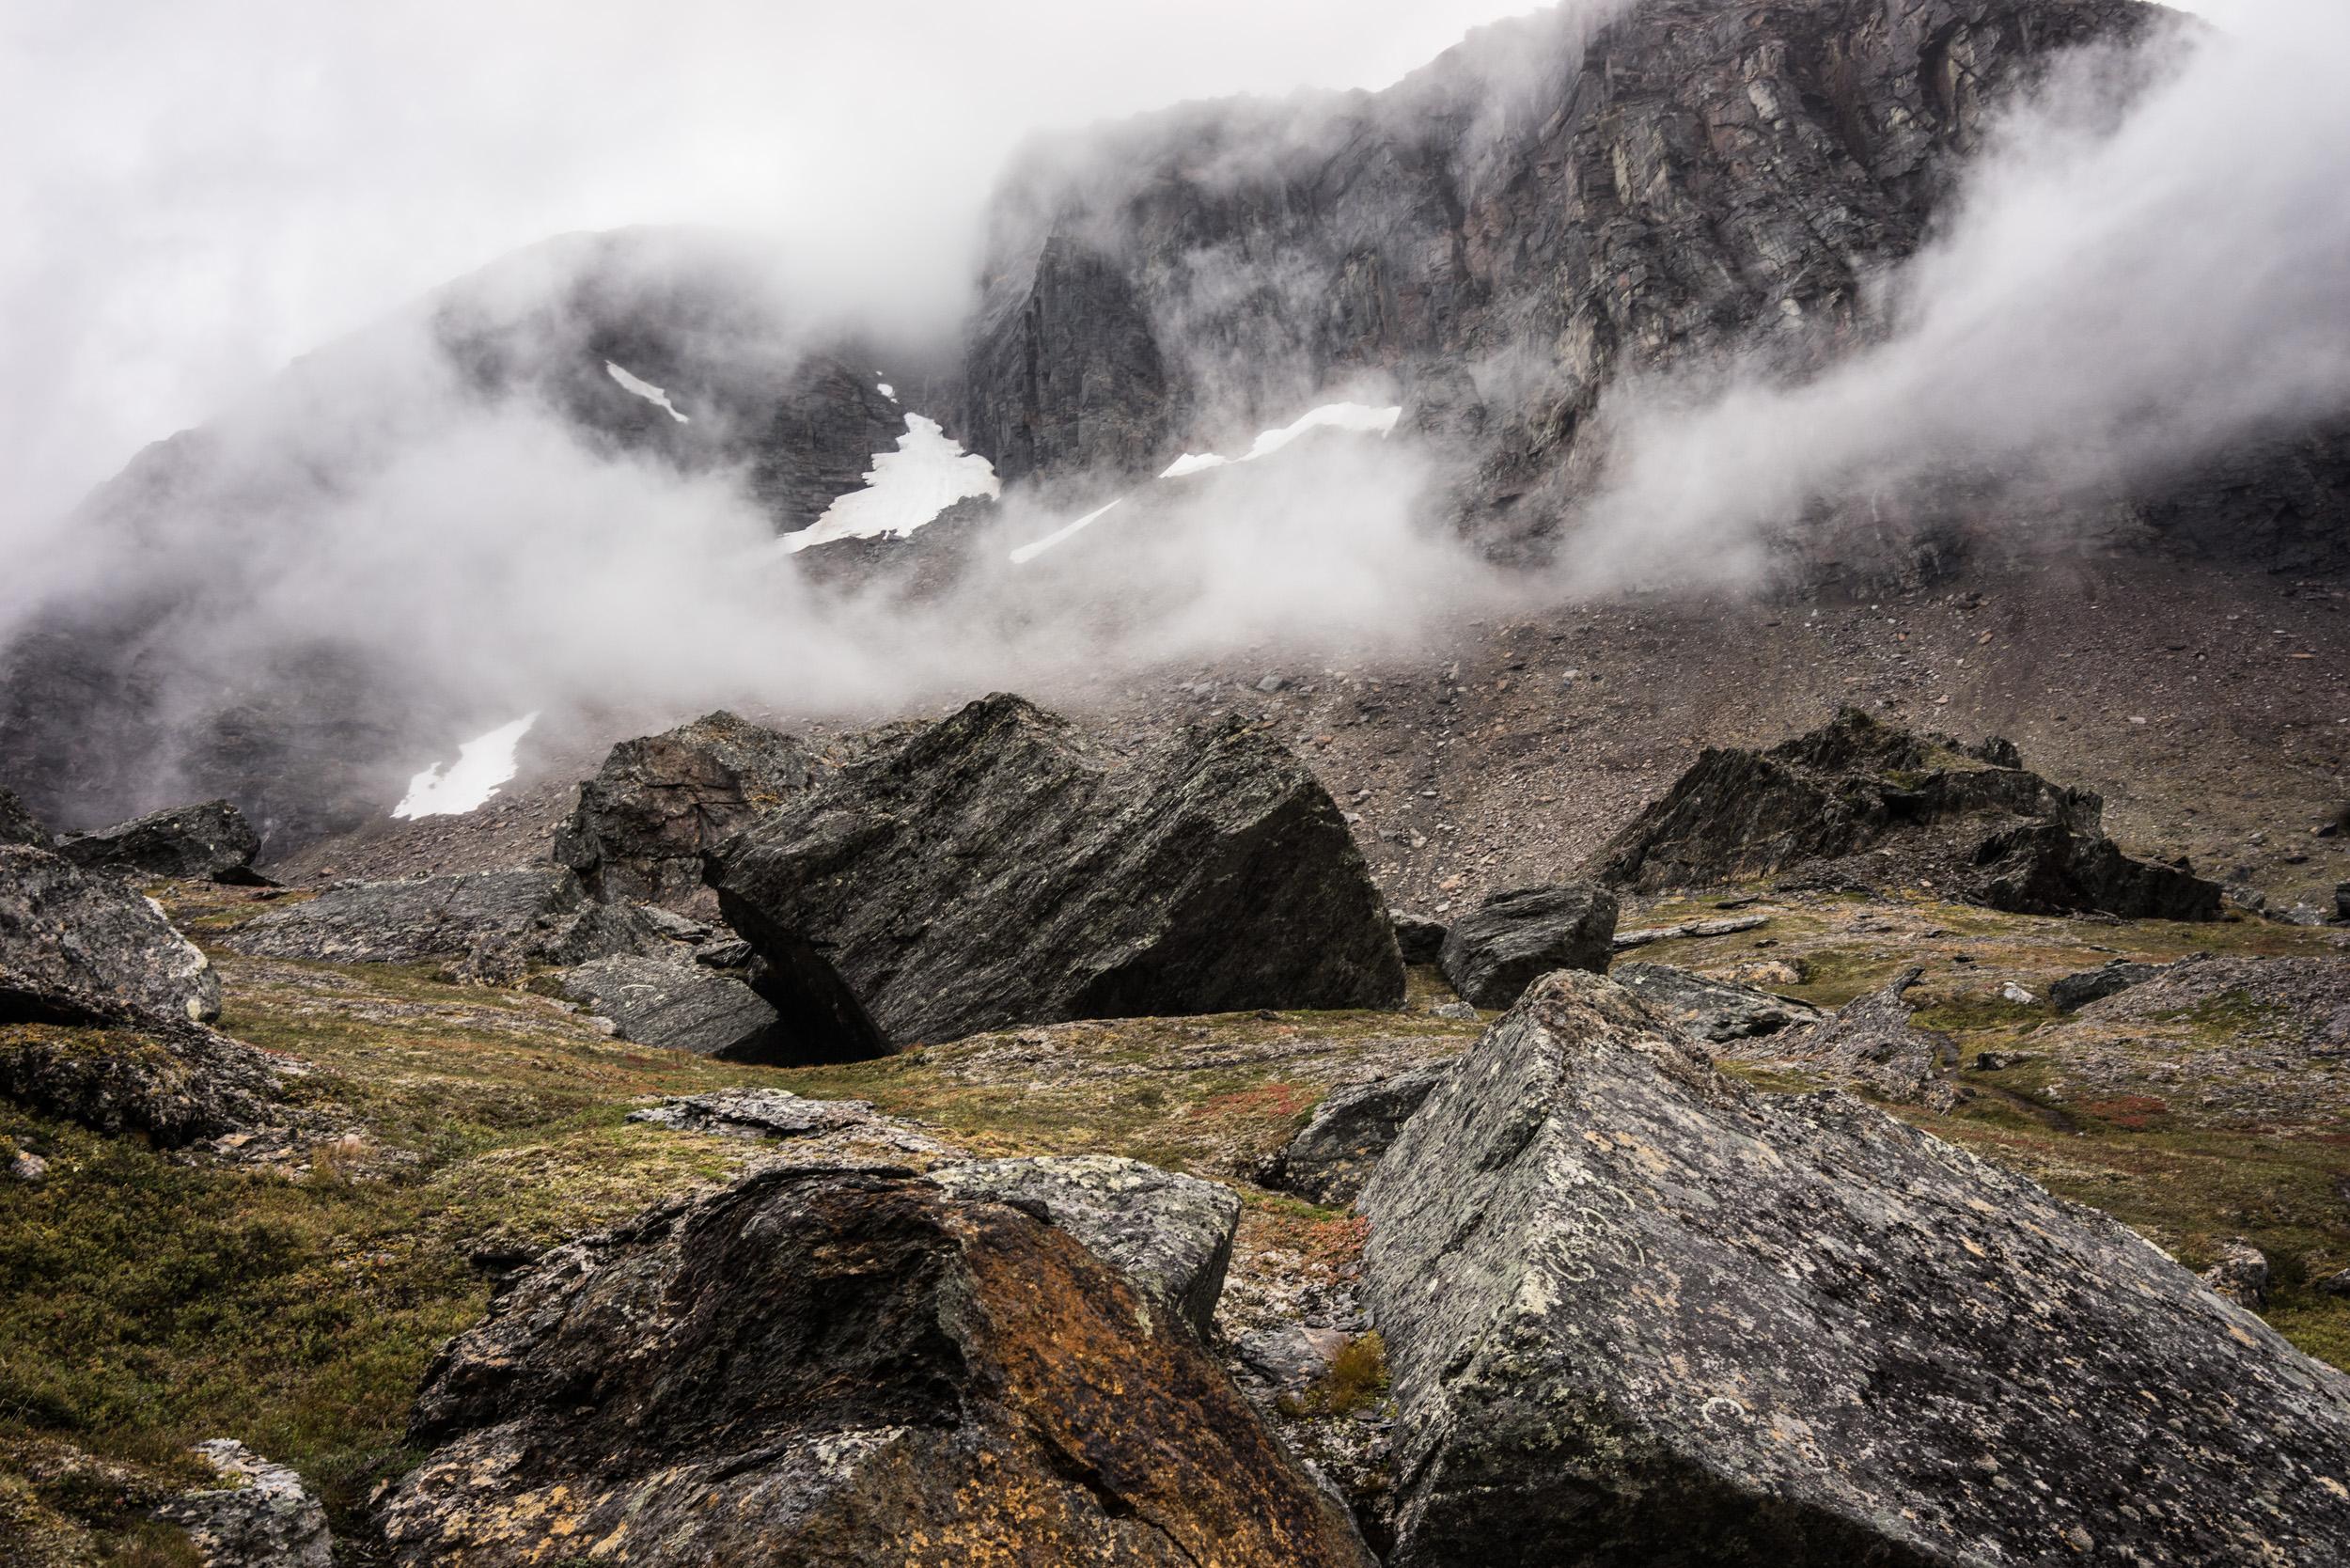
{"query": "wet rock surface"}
(839, 1367)
(1330, 1159)
(675, 1003)
(1171, 1235)
(68, 936)
(1710, 1009)
(1866, 802)
(209, 840)
(643, 823)
(1493, 953)
(493, 923)
(1628, 1301)
(992, 868)
(262, 1516)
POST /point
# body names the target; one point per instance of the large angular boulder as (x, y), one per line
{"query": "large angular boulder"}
(113, 1070)
(994, 869)
(1637, 1313)
(67, 937)
(673, 1002)
(18, 826)
(844, 1367)
(496, 923)
(1333, 1155)
(1709, 1009)
(1493, 953)
(207, 841)
(1861, 801)
(643, 823)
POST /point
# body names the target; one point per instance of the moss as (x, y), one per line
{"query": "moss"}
(1357, 1375)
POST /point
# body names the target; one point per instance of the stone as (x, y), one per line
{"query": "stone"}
(779, 1114)
(1332, 1155)
(211, 841)
(1459, 1012)
(169, 1080)
(2075, 992)
(2241, 1275)
(1495, 952)
(1710, 1009)
(1419, 938)
(1627, 1300)
(660, 801)
(263, 1518)
(496, 923)
(1861, 802)
(2011, 992)
(29, 1168)
(2341, 901)
(1290, 1357)
(1170, 1235)
(1870, 1044)
(993, 869)
(2337, 1284)
(680, 1005)
(18, 826)
(1641, 937)
(843, 1367)
(75, 947)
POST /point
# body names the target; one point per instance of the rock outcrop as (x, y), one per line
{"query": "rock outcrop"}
(18, 826)
(992, 868)
(680, 1005)
(1636, 1312)
(2075, 992)
(659, 802)
(1493, 953)
(840, 1367)
(1709, 1009)
(208, 842)
(495, 924)
(1334, 1154)
(75, 946)
(1865, 802)
(262, 1516)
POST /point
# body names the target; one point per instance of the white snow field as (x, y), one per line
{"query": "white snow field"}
(1037, 547)
(646, 390)
(482, 764)
(928, 473)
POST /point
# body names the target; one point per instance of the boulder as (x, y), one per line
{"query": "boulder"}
(779, 1114)
(1710, 1009)
(1494, 954)
(1170, 1235)
(169, 1080)
(994, 869)
(643, 823)
(681, 1004)
(262, 1516)
(1871, 1044)
(1863, 803)
(1636, 1312)
(496, 923)
(843, 1367)
(2241, 1275)
(18, 826)
(1332, 1156)
(1419, 938)
(74, 946)
(209, 842)
(2075, 992)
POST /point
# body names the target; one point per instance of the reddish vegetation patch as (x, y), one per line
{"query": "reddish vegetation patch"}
(2130, 1112)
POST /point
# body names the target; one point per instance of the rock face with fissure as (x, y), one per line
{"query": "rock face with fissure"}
(1637, 1313)
(1493, 953)
(496, 923)
(643, 823)
(992, 868)
(830, 1367)
(1863, 801)
(211, 841)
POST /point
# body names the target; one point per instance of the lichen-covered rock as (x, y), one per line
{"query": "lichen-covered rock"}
(211, 841)
(1709, 1009)
(2075, 992)
(1495, 952)
(1419, 939)
(1332, 1155)
(68, 936)
(673, 1002)
(779, 1114)
(262, 1517)
(643, 823)
(18, 826)
(1871, 1044)
(171, 1080)
(493, 922)
(842, 1367)
(2241, 1273)
(1636, 1312)
(992, 868)
(1170, 1234)
(1862, 801)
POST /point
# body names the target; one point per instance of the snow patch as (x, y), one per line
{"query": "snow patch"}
(646, 390)
(1192, 464)
(482, 764)
(886, 390)
(928, 473)
(1030, 551)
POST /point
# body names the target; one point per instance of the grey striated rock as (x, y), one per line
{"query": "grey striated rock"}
(1636, 1312)
(18, 826)
(1494, 954)
(1171, 1235)
(1419, 939)
(262, 1517)
(681, 1004)
(1870, 1044)
(843, 1367)
(1642, 936)
(1710, 1009)
(777, 1113)
(211, 841)
(2075, 992)
(495, 923)
(1332, 1156)
(1869, 803)
(993, 869)
(643, 823)
(68, 937)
